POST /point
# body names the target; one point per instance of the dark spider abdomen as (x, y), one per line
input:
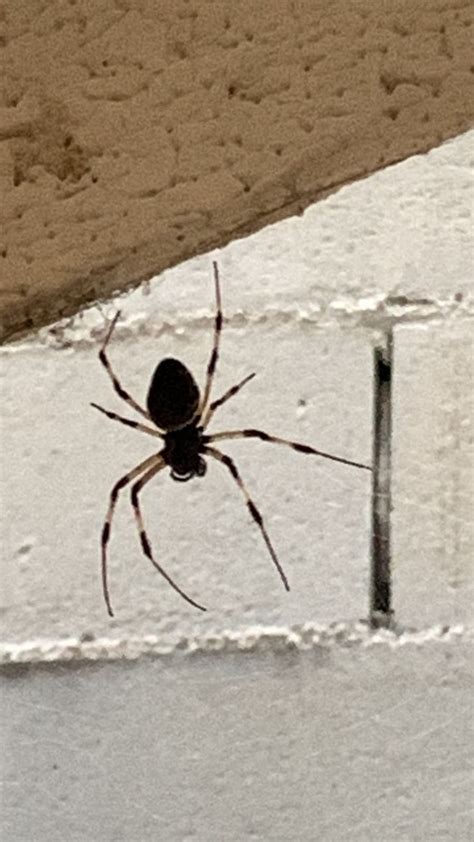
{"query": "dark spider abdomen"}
(173, 396)
(182, 452)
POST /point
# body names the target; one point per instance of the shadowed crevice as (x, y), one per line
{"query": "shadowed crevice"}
(381, 587)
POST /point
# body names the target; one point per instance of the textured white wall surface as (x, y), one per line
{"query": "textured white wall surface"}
(301, 737)
(364, 743)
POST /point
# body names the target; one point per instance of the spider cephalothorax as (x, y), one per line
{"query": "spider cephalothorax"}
(181, 415)
(182, 452)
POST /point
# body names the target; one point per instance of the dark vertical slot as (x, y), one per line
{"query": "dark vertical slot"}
(381, 596)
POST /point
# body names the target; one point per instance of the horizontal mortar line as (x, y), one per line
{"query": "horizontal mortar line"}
(255, 639)
(373, 315)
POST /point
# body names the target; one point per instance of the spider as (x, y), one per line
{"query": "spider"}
(180, 416)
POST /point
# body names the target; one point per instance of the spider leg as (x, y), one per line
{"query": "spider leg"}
(128, 422)
(115, 381)
(105, 537)
(146, 546)
(227, 461)
(301, 448)
(209, 412)
(215, 349)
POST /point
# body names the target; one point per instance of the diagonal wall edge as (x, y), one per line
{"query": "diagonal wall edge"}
(133, 136)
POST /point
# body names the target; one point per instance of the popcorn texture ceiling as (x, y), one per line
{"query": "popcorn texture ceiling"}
(135, 134)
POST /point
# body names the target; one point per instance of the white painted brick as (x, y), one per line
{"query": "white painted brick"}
(61, 459)
(344, 741)
(433, 465)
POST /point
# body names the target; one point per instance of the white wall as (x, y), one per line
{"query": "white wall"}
(305, 302)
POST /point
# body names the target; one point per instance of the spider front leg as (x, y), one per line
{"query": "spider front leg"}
(215, 349)
(301, 448)
(146, 546)
(105, 537)
(115, 381)
(209, 412)
(230, 465)
(135, 425)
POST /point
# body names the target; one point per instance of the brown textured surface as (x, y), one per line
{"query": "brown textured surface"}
(136, 133)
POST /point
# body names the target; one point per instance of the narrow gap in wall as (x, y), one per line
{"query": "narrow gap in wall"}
(381, 587)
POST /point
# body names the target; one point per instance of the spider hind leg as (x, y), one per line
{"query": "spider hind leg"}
(107, 527)
(144, 541)
(254, 512)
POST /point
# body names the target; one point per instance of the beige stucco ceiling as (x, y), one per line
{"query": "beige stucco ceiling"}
(135, 134)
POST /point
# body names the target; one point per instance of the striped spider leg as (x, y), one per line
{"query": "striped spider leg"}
(211, 367)
(146, 471)
(231, 466)
(115, 381)
(301, 448)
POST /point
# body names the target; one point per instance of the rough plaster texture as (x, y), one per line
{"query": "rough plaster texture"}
(338, 739)
(136, 134)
